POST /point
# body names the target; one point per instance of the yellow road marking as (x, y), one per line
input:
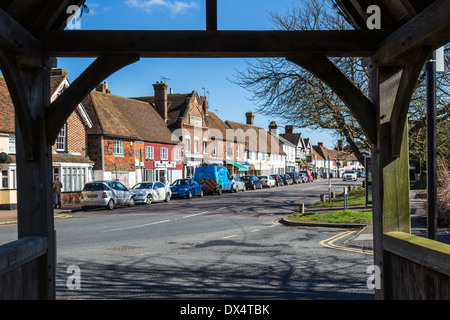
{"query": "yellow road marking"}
(329, 243)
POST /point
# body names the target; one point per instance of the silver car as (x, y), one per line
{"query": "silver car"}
(349, 175)
(238, 184)
(148, 192)
(107, 194)
(267, 181)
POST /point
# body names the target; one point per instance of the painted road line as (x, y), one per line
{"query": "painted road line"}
(255, 230)
(195, 214)
(329, 243)
(228, 237)
(138, 226)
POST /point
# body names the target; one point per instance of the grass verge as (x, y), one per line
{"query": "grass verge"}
(355, 200)
(343, 216)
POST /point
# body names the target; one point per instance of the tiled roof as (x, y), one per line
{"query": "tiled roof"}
(214, 122)
(7, 122)
(117, 116)
(72, 158)
(256, 136)
(177, 106)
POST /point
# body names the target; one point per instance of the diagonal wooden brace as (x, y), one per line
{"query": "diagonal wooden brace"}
(65, 104)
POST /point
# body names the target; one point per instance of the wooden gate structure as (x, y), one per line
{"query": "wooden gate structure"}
(32, 34)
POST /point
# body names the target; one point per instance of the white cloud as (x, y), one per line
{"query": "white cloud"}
(175, 7)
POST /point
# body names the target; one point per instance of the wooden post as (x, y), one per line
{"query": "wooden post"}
(301, 207)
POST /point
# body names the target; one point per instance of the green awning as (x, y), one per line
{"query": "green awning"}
(240, 166)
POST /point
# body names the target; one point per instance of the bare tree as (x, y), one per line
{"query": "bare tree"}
(284, 90)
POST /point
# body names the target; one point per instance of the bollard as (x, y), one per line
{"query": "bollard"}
(301, 207)
(322, 198)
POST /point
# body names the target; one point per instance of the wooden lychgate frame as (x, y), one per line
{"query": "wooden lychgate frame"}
(32, 34)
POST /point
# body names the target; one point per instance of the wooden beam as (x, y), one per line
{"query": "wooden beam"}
(406, 86)
(430, 28)
(20, 98)
(209, 44)
(360, 106)
(15, 38)
(211, 15)
(65, 104)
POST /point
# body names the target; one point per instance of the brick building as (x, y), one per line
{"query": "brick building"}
(201, 132)
(129, 141)
(69, 153)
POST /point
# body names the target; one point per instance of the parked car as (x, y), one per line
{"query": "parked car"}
(349, 175)
(214, 179)
(186, 188)
(252, 182)
(267, 181)
(295, 177)
(287, 179)
(148, 192)
(303, 177)
(278, 180)
(308, 174)
(108, 194)
(238, 184)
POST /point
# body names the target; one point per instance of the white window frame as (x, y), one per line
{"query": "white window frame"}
(177, 154)
(238, 151)
(118, 148)
(215, 149)
(196, 145)
(187, 143)
(61, 140)
(149, 153)
(12, 143)
(164, 153)
(205, 146)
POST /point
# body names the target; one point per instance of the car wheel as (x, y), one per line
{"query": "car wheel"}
(189, 195)
(132, 202)
(110, 205)
(219, 192)
(148, 200)
(254, 187)
(167, 199)
(201, 193)
(84, 208)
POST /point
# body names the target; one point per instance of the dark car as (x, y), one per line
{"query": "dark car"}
(296, 178)
(186, 188)
(252, 182)
(287, 179)
(278, 180)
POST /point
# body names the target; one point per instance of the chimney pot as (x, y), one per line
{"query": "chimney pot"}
(250, 118)
(289, 129)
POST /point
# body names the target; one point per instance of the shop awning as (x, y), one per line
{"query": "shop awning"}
(238, 165)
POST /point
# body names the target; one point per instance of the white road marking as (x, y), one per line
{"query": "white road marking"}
(195, 214)
(256, 230)
(228, 237)
(138, 226)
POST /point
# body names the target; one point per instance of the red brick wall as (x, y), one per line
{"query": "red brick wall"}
(119, 163)
(76, 135)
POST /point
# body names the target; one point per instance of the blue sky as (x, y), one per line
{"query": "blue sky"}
(227, 100)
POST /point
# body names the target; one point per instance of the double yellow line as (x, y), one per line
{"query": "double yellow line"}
(330, 243)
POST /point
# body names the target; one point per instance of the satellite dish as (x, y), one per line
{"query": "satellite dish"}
(3, 157)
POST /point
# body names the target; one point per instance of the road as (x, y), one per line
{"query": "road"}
(215, 247)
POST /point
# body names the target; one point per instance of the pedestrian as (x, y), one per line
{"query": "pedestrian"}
(57, 186)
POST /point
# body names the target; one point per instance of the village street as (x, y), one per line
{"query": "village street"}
(215, 247)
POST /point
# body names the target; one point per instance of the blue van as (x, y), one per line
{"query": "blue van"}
(214, 179)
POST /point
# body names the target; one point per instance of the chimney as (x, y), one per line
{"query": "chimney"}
(289, 129)
(103, 87)
(161, 98)
(320, 144)
(250, 117)
(58, 72)
(273, 128)
(205, 104)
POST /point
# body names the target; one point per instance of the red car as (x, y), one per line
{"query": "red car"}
(308, 174)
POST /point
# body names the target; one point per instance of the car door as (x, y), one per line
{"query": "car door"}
(160, 191)
(122, 193)
(195, 188)
(115, 192)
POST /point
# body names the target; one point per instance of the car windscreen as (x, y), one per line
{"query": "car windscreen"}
(143, 186)
(182, 182)
(95, 187)
(245, 178)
